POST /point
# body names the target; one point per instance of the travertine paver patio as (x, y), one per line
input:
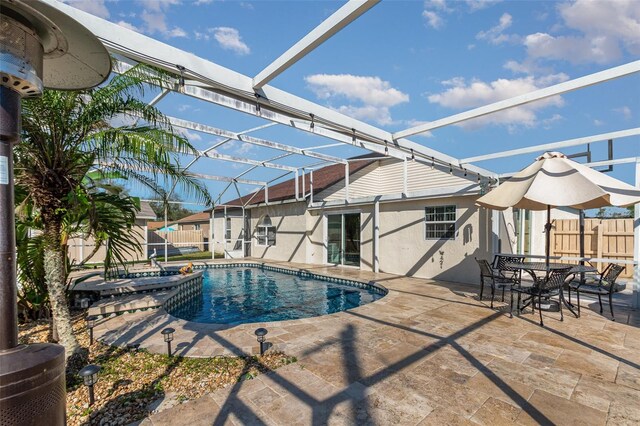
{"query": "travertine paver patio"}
(427, 353)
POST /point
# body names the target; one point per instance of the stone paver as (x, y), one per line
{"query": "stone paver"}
(427, 353)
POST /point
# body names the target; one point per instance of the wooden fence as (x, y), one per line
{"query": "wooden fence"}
(603, 238)
(176, 239)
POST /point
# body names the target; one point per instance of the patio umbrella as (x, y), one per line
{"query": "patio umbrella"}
(553, 180)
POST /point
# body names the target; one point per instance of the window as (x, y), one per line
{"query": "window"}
(196, 227)
(227, 229)
(266, 232)
(440, 222)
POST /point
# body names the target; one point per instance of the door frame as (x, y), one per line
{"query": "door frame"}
(325, 237)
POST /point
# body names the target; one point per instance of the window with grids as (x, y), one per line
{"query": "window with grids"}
(227, 229)
(266, 232)
(440, 223)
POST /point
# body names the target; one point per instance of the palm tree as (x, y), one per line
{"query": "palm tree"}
(68, 135)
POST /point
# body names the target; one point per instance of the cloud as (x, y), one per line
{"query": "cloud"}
(129, 26)
(434, 20)
(435, 10)
(154, 17)
(618, 20)
(594, 32)
(190, 136)
(202, 2)
(548, 122)
(229, 39)
(625, 111)
(574, 49)
(375, 95)
(495, 35)
(94, 7)
(461, 95)
(475, 5)
(597, 122)
(176, 32)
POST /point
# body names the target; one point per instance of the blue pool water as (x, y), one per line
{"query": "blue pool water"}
(237, 295)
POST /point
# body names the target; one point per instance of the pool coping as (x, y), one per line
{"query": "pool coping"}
(125, 329)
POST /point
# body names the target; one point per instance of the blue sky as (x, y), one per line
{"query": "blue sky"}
(407, 62)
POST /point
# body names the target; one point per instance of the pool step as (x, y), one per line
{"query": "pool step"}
(129, 303)
(131, 285)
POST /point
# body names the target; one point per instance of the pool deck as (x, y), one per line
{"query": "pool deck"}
(427, 353)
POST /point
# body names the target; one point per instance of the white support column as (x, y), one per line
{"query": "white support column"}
(166, 232)
(266, 193)
(346, 181)
(224, 233)
(297, 186)
(303, 185)
(376, 235)
(636, 246)
(405, 177)
(212, 243)
(244, 230)
(311, 187)
(495, 230)
(145, 254)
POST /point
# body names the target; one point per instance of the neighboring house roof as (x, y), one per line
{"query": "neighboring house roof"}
(158, 224)
(146, 212)
(322, 179)
(197, 217)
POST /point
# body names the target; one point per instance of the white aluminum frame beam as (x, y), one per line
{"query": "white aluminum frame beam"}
(602, 163)
(329, 27)
(229, 179)
(186, 124)
(555, 145)
(153, 52)
(557, 89)
(218, 156)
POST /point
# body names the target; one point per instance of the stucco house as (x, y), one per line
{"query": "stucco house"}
(402, 217)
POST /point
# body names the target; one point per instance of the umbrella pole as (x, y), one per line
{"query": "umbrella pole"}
(582, 243)
(547, 228)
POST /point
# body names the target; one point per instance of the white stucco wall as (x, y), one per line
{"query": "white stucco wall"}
(404, 249)
(290, 220)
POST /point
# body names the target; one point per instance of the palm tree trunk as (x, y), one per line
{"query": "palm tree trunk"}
(55, 276)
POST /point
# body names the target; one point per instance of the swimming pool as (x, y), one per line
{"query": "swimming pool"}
(237, 295)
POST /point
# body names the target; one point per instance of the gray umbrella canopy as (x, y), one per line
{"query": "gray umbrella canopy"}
(553, 180)
(556, 181)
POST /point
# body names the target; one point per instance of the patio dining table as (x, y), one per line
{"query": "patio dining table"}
(533, 268)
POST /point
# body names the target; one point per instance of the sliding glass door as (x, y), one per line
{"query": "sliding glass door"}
(343, 239)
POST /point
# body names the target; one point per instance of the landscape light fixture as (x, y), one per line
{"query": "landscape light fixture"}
(89, 376)
(133, 347)
(386, 148)
(40, 46)
(91, 322)
(260, 333)
(167, 334)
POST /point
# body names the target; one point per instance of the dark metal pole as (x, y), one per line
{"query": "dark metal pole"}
(261, 348)
(90, 336)
(9, 134)
(92, 398)
(169, 348)
(582, 243)
(547, 228)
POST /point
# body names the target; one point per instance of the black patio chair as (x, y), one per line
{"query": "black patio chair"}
(494, 278)
(500, 262)
(603, 285)
(544, 288)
